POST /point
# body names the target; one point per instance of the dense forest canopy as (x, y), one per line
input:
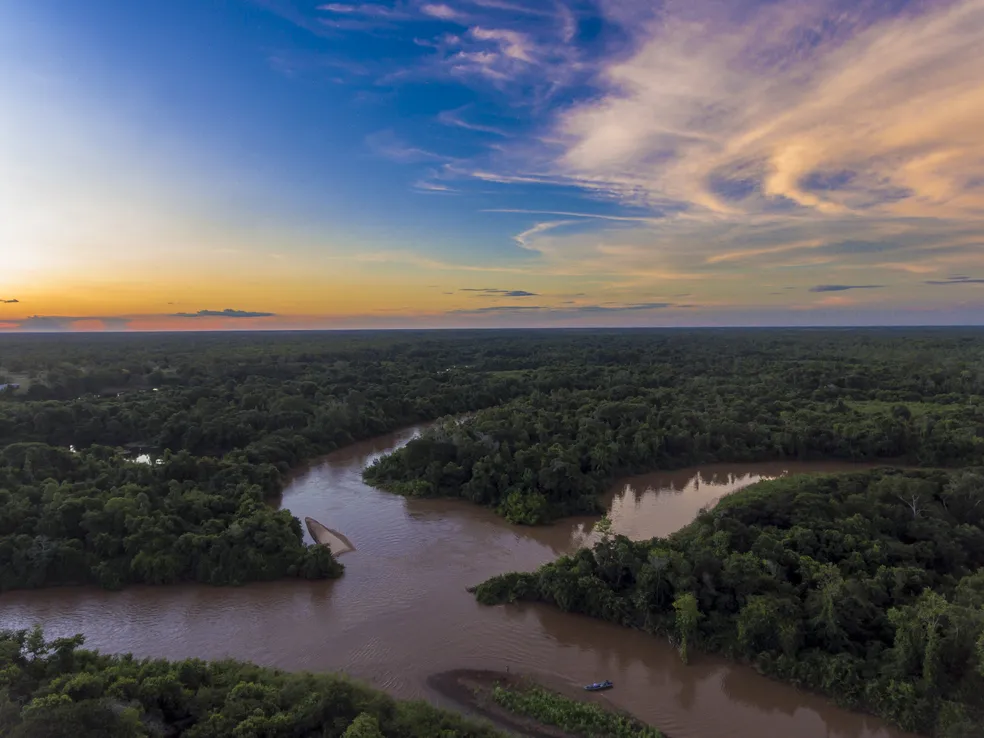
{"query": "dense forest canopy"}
(866, 586)
(559, 414)
(665, 400)
(54, 688)
(225, 416)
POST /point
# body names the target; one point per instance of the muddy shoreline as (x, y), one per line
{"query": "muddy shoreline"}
(469, 689)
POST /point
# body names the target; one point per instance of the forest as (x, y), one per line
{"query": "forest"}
(662, 401)
(52, 688)
(865, 586)
(159, 458)
(537, 423)
(224, 418)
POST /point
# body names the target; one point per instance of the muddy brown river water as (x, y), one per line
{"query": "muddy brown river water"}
(401, 611)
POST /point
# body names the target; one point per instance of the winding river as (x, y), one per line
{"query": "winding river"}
(401, 611)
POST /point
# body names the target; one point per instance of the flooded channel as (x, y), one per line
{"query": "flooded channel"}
(401, 611)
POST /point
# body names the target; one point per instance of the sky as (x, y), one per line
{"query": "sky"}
(263, 164)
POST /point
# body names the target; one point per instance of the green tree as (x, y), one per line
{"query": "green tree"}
(688, 617)
(364, 726)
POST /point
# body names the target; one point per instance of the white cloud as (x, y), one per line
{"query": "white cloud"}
(453, 118)
(512, 44)
(879, 115)
(441, 12)
(524, 239)
(388, 145)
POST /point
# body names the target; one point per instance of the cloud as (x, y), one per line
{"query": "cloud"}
(9, 302)
(525, 238)
(717, 145)
(794, 105)
(499, 309)
(959, 279)
(572, 311)
(522, 8)
(512, 44)
(627, 308)
(62, 323)
(845, 287)
(371, 10)
(426, 186)
(390, 146)
(441, 12)
(227, 313)
(598, 216)
(782, 136)
(43, 323)
(453, 118)
(492, 292)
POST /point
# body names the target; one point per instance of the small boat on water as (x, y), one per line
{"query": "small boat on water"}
(599, 686)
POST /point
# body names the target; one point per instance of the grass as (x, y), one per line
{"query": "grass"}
(583, 719)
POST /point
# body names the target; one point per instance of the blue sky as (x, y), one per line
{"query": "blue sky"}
(488, 162)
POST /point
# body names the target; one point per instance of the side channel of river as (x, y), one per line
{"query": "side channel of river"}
(401, 611)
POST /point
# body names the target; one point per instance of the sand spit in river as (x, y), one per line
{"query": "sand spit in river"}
(334, 540)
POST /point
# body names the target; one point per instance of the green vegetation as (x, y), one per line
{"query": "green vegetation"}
(94, 516)
(866, 586)
(625, 403)
(50, 689)
(229, 416)
(559, 415)
(583, 719)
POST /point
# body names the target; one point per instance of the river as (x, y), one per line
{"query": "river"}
(401, 611)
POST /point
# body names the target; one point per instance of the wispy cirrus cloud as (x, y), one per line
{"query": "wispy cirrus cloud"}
(787, 135)
(390, 146)
(227, 313)
(567, 311)
(493, 292)
(442, 12)
(959, 279)
(818, 106)
(454, 118)
(829, 146)
(845, 287)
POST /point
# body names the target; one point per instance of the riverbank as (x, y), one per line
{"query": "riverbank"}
(537, 706)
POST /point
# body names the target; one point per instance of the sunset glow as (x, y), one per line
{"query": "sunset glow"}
(294, 164)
